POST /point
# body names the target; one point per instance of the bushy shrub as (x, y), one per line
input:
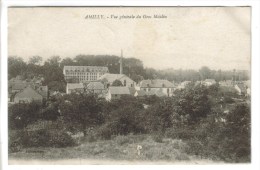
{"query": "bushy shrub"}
(22, 114)
(14, 144)
(228, 100)
(104, 132)
(179, 133)
(121, 140)
(60, 139)
(158, 137)
(42, 138)
(194, 147)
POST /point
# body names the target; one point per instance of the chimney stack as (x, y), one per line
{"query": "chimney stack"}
(121, 62)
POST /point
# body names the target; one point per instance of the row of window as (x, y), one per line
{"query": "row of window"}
(84, 74)
(82, 77)
(67, 71)
(149, 89)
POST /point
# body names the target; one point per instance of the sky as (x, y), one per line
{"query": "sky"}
(188, 38)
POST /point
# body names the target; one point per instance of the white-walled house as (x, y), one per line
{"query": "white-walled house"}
(163, 86)
(115, 92)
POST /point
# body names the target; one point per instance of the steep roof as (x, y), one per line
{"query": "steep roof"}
(95, 85)
(19, 86)
(119, 90)
(112, 77)
(29, 92)
(156, 84)
(75, 85)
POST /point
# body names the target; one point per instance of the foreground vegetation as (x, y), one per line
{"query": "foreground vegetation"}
(120, 148)
(201, 122)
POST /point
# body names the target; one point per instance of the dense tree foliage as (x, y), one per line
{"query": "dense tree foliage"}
(35, 60)
(195, 115)
(81, 111)
(117, 83)
(193, 102)
(16, 66)
(22, 114)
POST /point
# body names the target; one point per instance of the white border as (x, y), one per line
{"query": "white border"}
(255, 74)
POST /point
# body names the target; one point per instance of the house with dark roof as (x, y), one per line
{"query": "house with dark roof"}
(18, 87)
(157, 87)
(108, 79)
(28, 95)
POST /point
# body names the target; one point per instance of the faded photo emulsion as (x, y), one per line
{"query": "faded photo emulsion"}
(129, 85)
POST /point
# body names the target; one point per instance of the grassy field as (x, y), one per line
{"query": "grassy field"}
(120, 150)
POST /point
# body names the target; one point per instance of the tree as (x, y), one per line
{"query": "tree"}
(54, 60)
(53, 74)
(193, 102)
(57, 86)
(22, 114)
(51, 112)
(67, 62)
(205, 73)
(81, 111)
(218, 76)
(16, 66)
(35, 60)
(160, 115)
(117, 83)
(238, 130)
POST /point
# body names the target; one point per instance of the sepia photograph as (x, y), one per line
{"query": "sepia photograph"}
(129, 85)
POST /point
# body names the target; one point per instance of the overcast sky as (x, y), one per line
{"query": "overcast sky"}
(217, 37)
